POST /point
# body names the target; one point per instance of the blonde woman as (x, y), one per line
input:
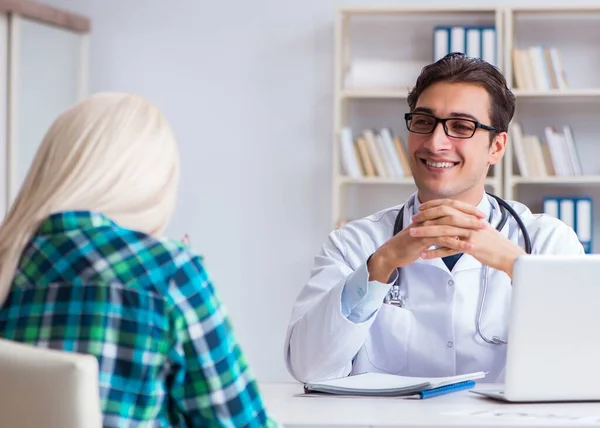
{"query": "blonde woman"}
(83, 267)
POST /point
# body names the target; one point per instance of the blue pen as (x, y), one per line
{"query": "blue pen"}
(460, 386)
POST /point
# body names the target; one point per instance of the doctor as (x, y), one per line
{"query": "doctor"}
(410, 302)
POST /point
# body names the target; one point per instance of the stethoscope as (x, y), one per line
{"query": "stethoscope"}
(396, 298)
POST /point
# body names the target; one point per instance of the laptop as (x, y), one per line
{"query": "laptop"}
(553, 350)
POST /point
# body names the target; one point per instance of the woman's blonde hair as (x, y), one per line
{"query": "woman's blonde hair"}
(111, 153)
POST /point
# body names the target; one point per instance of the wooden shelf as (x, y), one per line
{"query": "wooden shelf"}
(570, 179)
(558, 9)
(398, 93)
(402, 93)
(370, 10)
(557, 93)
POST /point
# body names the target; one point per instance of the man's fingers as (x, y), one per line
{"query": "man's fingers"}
(451, 203)
(431, 214)
(442, 212)
(446, 247)
(439, 231)
(467, 222)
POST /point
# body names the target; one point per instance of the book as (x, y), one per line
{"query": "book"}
(379, 384)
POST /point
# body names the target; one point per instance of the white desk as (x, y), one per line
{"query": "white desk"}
(292, 408)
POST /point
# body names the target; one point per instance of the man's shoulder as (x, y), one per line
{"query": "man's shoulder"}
(382, 219)
(536, 220)
(367, 233)
(548, 234)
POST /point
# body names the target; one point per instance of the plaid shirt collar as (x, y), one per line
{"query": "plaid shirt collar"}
(65, 221)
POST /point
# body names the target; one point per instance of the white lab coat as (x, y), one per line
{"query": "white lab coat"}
(434, 334)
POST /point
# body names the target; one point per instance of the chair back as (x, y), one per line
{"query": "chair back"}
(47, 388)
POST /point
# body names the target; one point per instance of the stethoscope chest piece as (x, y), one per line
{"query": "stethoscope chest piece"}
(395, 297)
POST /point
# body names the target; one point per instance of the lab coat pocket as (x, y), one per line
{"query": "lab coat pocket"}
(387, 344)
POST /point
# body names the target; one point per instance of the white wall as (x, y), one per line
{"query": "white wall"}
(247, 86)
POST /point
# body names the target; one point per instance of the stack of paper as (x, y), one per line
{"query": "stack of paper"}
(378, 384)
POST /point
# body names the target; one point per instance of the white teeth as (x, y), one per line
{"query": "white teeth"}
(440, 164)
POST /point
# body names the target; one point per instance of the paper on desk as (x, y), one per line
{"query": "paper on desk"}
(388, 381)
(530, 416)
(379, 383)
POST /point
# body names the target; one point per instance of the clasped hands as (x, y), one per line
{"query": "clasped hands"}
(452, 227)
(457, 227)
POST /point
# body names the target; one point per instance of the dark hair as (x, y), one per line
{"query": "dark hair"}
(458, 68)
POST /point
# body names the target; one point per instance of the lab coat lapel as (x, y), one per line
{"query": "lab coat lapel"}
(466, 262)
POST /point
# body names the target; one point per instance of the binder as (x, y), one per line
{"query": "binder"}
(473, 41)
(441, 42)
(488, 45)
(551, 207)
(566, 211)
(576, 213)
(583, 222)
(458, 41)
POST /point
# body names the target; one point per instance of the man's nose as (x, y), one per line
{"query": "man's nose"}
(438, 141)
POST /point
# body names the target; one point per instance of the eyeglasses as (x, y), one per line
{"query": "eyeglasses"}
(421, 123)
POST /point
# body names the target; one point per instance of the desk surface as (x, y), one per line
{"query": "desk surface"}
(292, 408)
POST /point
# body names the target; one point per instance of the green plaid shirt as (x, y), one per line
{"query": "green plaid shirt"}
(147, 310)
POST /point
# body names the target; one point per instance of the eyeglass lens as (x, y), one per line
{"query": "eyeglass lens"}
(425, 124)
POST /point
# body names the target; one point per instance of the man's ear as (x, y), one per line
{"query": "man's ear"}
(497, 148)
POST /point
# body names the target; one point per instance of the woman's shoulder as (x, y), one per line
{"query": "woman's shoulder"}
(154, 260)
(163, 250)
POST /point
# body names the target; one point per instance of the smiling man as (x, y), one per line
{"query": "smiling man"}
(401, 291)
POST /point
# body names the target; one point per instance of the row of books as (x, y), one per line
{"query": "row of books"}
(555, 154)
(574, 212)
(373, 154)
(538, 68)
(473, 41)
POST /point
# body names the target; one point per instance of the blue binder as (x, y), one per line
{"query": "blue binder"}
(447, 31)
(556, 206)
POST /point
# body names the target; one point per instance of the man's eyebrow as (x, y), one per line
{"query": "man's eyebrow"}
(427, 110)
(423, 110)
(464, 115)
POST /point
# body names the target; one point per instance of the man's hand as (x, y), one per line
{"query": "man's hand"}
(406, 247)
(449, 219)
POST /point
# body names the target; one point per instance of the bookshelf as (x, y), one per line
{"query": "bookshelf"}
(406, 35)
(575, 33)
